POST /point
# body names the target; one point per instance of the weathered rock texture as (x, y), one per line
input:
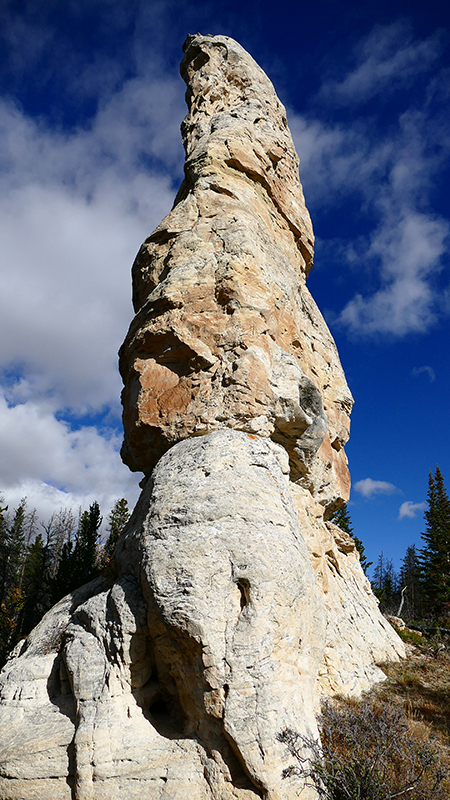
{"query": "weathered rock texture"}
(236, 606)
(226, 334)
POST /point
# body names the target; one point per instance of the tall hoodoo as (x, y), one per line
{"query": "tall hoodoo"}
(226, 334)
(236, 605)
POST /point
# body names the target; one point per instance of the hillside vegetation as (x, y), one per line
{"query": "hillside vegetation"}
(394, 742)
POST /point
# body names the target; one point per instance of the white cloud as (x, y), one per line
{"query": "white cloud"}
(391, 174)
(338, 160)
(368, 487)
(427, 370)
(54, 466)
(410, 252)
(386, 59)
(73, 213)
(74, 209)
(410, 509)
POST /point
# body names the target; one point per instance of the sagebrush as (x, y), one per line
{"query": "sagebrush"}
(368, 751)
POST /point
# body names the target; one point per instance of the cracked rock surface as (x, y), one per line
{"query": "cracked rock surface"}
(226, 334)
(236, 606)
(233, 612)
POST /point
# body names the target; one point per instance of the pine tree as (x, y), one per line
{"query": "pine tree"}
(117, 519)
(4, 547)
(341, 518)
(435, 555)
(59, 531)
(62, 580)
(12, 554)
(35, 591)
(79, 562)
(85, 552)
(12, 549)
(385, 583)
(410, 578)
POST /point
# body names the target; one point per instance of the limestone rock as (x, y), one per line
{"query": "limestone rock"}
(231, 619)
(357, 636)
(234, 611)
(226, 333)
(180, 687)
(396, 622)
(236, 607)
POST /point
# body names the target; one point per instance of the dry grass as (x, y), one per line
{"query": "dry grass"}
(393, 743)
(422, 684)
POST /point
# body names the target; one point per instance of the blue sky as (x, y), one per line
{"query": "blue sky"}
(90, 160)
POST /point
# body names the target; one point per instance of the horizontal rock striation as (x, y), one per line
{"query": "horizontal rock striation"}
(236, 607)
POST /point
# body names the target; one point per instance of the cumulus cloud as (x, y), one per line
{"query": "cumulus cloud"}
(368, 487)
(410, 509)
(409, 249)
(55, 466)
(73, 212)
(385, 60)
(424, 370)
(74, 209)
(390, 173)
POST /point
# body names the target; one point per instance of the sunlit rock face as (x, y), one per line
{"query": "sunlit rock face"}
(236, 607)
(226, 334)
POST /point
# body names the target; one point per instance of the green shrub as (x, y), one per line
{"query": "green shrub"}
(411, 637)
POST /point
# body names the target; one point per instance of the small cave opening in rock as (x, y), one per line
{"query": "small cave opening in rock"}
(59, 689)
(157, 696)
(163, 719)
(200, 58)
(162, 709)
(244, 588)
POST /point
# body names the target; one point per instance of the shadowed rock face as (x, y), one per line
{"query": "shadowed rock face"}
(226, 335)
(236, 606)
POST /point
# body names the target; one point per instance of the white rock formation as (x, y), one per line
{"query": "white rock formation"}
(236, 605)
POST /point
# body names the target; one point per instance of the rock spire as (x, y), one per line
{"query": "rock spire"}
(226, 334)
(237, 606)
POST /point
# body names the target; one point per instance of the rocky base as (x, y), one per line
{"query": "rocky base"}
(222, 629)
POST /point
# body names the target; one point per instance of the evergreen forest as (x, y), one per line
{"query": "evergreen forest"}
(420, 590)
(40, 563)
